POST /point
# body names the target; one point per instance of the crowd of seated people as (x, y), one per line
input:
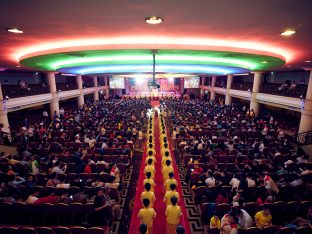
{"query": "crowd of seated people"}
(241, 166)
(72, 166)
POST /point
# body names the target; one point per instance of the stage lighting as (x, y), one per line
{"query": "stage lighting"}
(139, 80)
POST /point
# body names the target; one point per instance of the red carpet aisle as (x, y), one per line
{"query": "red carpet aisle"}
(159, 225)
(160, 207)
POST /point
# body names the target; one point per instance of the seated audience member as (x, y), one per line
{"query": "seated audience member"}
(32, 198)
(263, 218)
(102, 208)
(215, 221)
(51, 198)
(228, 224)
(146, 215)
(244, 219)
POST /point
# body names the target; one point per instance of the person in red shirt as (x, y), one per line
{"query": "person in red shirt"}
(197, 168)
(52, 198)
(88, 168)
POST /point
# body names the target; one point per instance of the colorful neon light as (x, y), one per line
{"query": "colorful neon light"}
(159, 58)
(149, 68)
(157, 41)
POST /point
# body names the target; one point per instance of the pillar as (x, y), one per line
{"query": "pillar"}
(254, 105)
(106, 87)
(202, 91)
(306, 112)
(3, 111)
(54, 104)
(213, 93)
(228, 98)
(80, 88)
(96, 89)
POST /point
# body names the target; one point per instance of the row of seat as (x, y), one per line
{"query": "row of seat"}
(281, 211)
(49, 230)
(266, 230)
(45, 214)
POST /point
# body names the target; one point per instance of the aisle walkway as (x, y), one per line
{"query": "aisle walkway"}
(159, 226)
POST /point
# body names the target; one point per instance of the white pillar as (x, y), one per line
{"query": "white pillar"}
(54, 105)
(228, 98)
(96, 90)
(212, 91)
(306, 113)
(81, 95)
(3, 111)
(106, 87)
(254, 104)
(202, 91)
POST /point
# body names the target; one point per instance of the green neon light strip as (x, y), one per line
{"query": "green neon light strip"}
(124, 57)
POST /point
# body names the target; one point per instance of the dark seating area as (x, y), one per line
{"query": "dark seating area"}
(275, 89)
(242, 86)
(66, 86)
(15, 91)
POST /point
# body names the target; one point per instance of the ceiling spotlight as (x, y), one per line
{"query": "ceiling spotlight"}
(154, 20)
(307, 61)
(18, 66)
(288, 32)
(14, 30)
(264, 61)
(288, 66)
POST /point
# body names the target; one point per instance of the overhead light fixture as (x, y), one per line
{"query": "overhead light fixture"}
(307, 61)
(288, 32)
(18, 66)
(264, 61)
(153, 20)
(14, 30)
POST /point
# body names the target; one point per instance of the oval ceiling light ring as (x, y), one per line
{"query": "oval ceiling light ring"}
(156, 42)
(54, 62)
(147, 68)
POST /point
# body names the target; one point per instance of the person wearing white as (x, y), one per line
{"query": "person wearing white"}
(244, 219)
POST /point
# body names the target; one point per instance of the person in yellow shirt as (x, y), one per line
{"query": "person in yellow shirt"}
(165, 158)
(149, 180)
(163, 135)
(172, 192)
(146, 215)
(165, 152)
(173, 214)
(170, 181)
(215, 221)
(149, 167)
(148, 194)
(263, 218)
(150, 156)
(167, 169)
